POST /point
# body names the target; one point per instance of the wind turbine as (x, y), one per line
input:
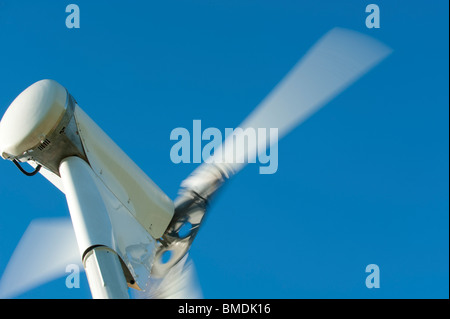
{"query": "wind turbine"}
(123, 224)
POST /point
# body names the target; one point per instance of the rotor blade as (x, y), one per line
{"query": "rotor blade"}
(336, 61)
(46, 248)
(180, 282)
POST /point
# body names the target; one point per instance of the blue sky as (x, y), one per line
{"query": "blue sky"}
(363, 181)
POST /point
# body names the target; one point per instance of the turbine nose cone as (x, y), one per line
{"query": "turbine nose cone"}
(31, 117)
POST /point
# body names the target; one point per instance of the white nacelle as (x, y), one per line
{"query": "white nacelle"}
(35, 114)
(44, 125)
(132, 187)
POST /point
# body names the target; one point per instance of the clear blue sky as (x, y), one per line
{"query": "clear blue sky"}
(365, 180)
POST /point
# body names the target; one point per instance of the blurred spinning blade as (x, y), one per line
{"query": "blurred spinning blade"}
(46, 248)
(336, 61)
(180, 282)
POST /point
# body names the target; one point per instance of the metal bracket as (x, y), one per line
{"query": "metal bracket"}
(180, 234)
(190, 211)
